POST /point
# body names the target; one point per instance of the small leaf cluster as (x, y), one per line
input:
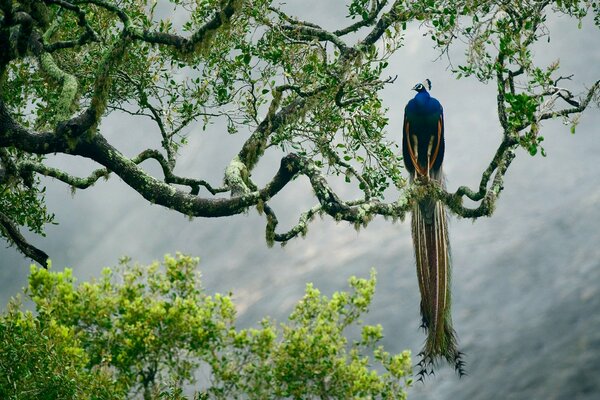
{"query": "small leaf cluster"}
(358, 8)
(22, 198)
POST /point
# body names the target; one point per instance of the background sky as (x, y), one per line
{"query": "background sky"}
(525, 281)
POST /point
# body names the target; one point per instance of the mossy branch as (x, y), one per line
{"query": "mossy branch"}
(27, 166)
(361, 212)
(68, 94)
(500, 158)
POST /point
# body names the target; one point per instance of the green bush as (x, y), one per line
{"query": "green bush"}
(144, 331)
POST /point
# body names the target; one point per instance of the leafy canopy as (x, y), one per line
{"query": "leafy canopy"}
(150, 329)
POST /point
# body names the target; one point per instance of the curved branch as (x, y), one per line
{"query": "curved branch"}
(238, 171)
(9, 228)
(88, 36)
(361, 212)
(186, 45)
(256, 144)
(580, 108)
(69, 83)
(376, 7)
(79, 183)
(170, 177)
(488, 198)
(157, 192)
(299, 229)
(507, 145)
(396, 14)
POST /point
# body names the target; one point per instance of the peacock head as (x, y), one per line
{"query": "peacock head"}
(423, 87)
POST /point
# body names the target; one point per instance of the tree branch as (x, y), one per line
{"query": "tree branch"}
(593, 91)
(394, 15)
(68, 93)
(299, 229)
(507, 145)
(88, 36)
(376, 7)
(303, 32)
(10, 230)
(99, 150)
(183, 44)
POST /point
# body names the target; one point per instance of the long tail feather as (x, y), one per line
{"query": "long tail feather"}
(432, 253)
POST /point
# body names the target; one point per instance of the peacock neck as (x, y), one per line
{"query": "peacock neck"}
(422, 97)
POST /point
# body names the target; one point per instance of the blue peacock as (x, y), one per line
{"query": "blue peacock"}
(423, 150)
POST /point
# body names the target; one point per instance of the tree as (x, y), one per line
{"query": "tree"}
(147, 329)
(289, 85)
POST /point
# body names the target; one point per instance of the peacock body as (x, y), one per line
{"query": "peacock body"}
(423, 149)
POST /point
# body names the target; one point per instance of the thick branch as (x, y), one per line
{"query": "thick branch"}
(99, 150)
(69, 83)
(13, 134)
(157, 192)
(361, 212)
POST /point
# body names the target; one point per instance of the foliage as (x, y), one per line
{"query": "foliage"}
(500, 39)
(148, 330)
(291, 87)
(23, 198)
(42, 359)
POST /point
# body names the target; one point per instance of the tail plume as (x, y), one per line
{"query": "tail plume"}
(432, 253)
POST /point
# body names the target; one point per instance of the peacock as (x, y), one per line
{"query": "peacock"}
(423, 150)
